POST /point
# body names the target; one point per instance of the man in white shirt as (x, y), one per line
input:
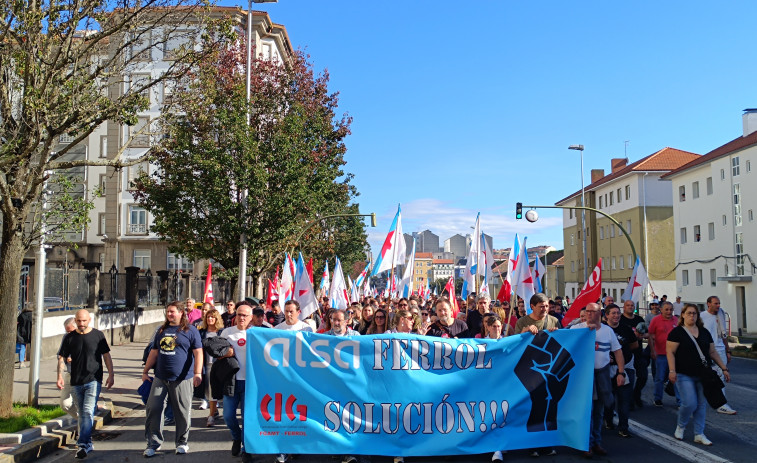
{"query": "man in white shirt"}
(606, 343)
(677, 306)
(292, 321)
(237, 336)
(714, 320)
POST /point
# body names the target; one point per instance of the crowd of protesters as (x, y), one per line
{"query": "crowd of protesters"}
(199, 353)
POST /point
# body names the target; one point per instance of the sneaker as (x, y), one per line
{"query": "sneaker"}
(351, 459)
(549, 452)
(399, 460)
(211, 422)
(167, 422)
(182, 449)
(658, 403)
(236, 447)
(679, 433)
(702, 439)
(283, 458)
(609, 425)
(497, 456)
(624, 433)
(203, 405)
(148, 452)
(534, 453)
(726, 410)
(81, 454)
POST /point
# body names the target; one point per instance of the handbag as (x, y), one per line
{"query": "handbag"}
(711, 384)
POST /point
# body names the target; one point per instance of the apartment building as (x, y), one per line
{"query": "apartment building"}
(634, 195)
(714, 228)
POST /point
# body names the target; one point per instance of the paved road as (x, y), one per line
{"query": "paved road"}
(735, 437)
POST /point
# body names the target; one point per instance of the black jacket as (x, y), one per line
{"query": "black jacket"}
(224, 370)
(24, 327)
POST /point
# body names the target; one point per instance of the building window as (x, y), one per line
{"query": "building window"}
(612, 230)
(101, 224)
(102, 183)
(104, 146)
(750, 215)
(619, 195)
(579, 235)
(622, 262)
(722, 174)
(601, 233)
(685, 277)
(138, 136)
(697, 234)
(176, 262)
(137, 221)
(713, 277)
(683, 235)
(628, 192)
(174, 43)
(748, 166)
(736, 205)
(711, 230)
(725, 221)
(735, 166)
(682, 193)
(606, 203)
(739, 254)
(709, 186)
(573, 266)
(600, 202)
(612, 201)
(631, 262)
(612, 263)
(695, 190)
(628, 227)
(604, 262)
(142, 258)
(572, 240)
(142, 45)
(134, 172)
(698, 277)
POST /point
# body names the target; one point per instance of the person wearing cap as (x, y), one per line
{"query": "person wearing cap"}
(258, 318)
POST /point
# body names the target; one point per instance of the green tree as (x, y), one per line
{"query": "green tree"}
(442, 282)
(289, 158)
(62, 67)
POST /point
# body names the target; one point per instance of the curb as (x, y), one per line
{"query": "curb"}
(34, 443)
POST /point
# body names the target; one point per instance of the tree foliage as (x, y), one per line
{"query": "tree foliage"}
(63, 67)
(289, 159)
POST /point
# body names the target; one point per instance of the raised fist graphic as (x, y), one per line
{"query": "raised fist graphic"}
(544, 371)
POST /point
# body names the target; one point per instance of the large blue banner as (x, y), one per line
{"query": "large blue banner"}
(407, 395)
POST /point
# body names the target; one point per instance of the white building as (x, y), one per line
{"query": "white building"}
(714, 201)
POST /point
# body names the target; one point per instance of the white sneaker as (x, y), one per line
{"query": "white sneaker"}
(679, 433)
(702, 439)
(211, 422)
(282, 458)
(182, 449)
(497, 456)
(399, 460)
(203, 405)
(726, 410)
(149, 452)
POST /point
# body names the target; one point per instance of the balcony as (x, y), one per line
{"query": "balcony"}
(137, 229)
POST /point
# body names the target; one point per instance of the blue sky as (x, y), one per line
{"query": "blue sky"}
(461, 107)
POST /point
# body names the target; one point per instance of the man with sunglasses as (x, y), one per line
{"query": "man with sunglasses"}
(228, 316)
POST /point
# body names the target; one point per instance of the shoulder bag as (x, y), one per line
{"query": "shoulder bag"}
(711, 383)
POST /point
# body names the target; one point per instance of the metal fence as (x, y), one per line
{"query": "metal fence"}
(221, 290)
(148, 290)
(112, 290)
(66, 288)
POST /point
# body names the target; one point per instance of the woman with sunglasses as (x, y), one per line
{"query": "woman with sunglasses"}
(378, 323)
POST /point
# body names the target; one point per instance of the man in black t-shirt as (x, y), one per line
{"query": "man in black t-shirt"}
(275, 316)
(640, 359)
(623, 394)
(447, 326)
(87, 349)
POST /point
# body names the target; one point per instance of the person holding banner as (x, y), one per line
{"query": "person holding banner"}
(623, 394)
(446, 326)
(292, 320)
(339, 324)
(606, 344)
(538, 319)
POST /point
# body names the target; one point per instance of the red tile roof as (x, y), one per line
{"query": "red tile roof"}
(730, 147)
(443, 261)
(559, 262)
(424, 255)
(666, 159)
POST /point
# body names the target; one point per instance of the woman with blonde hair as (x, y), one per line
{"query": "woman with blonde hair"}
(210, 326)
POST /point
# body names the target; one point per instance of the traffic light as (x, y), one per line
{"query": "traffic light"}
(518, 211)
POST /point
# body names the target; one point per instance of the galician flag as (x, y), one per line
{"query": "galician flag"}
(208, 295)
(354, 291)
(638, 282)
(485, 262)
(338, 292)
(512, 266)
(393, 251)
(469, 283)
(406, 285)
(324, 280)
(287, 280)
(428, 291)
(361, 278)
(537, 273)
(303, 290)
(523, 280)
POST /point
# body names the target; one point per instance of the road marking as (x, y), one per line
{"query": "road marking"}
(742, 388)
(680, 448)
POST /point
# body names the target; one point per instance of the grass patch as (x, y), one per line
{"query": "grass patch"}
(23, 417)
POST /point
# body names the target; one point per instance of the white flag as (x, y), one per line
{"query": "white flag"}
(638, 282)
(303, 291)
(406, 285)
(338, 293)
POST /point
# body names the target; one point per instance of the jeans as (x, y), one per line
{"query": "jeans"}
(230, 404)
(604, 399)
(660, 377)
(21, 351)
(624, 397)
(85, 396)
(693, 402)
(641, 367)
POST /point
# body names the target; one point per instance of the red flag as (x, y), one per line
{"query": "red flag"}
(271, 291)
(309, 267)
(208, 295)
(591, 292)
(450, 288)
(504, 292)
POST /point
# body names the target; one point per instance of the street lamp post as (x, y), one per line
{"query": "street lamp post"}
(583, 211)
(242, 282)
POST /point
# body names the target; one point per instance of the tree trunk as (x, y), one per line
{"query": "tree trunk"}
(11, 258)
